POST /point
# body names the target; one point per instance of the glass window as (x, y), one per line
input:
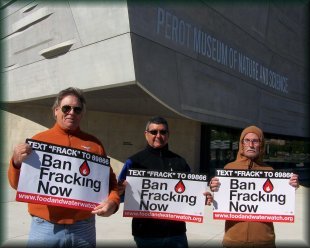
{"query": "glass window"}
(289, 153)
(223, 147)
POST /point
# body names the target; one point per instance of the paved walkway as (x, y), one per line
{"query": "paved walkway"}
(115, 231)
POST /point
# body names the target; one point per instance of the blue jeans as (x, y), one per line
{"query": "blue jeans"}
(179, 241)
(47, 234)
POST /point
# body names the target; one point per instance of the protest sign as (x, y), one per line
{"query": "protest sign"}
(165, 195)
(63, 176)
(251, 195)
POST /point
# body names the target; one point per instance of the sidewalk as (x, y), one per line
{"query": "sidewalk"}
(115, 231)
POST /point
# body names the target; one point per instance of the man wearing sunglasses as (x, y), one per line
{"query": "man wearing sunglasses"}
(157, 156)
(54, 226)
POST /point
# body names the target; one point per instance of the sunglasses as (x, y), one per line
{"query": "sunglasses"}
(155, 132)
(67, 108)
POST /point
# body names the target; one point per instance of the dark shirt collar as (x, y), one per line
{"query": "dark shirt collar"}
(157, 151)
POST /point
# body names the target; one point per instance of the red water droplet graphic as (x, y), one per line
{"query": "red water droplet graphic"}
(84, 169)
(268, 186)
(179, 187)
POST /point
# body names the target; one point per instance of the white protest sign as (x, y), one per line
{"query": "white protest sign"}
(63, 176)
(252, 195)
(165, 195)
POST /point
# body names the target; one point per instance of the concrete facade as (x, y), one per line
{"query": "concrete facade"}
(219, 58)
(45, 54)
(220, 64)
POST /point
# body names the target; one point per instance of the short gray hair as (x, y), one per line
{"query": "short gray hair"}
(70, 91)
(157, 120)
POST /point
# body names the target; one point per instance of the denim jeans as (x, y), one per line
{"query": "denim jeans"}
(47, 234)
(179, 241)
